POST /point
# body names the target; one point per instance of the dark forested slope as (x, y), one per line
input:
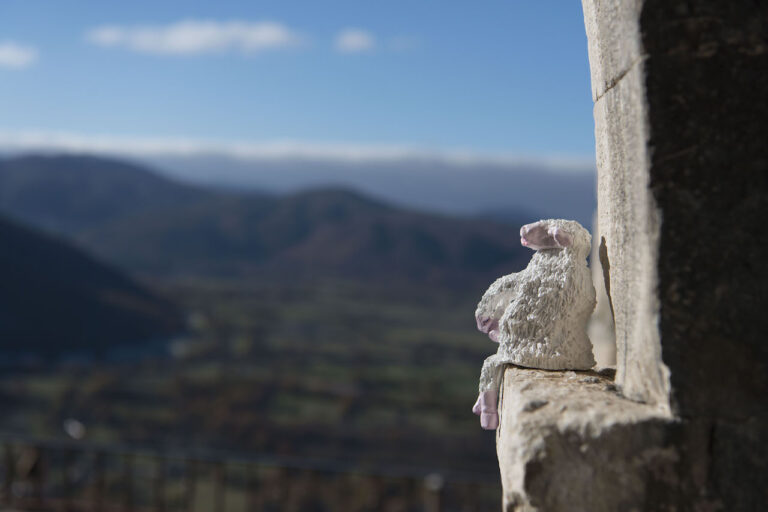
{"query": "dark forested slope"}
(54, 298)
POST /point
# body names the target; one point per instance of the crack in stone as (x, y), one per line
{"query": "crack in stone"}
(614, 82)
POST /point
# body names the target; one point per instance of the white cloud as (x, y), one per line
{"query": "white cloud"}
(355, 40)
(191, 37)
(273, 150)
(16, 56)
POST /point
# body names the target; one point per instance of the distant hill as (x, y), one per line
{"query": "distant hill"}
(150, 225)
(54, 298)
(69, 193)
(453, 187)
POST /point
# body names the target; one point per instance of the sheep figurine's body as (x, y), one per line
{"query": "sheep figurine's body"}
(539, 315)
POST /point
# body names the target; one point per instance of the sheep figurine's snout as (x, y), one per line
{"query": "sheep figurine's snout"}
(542, 235)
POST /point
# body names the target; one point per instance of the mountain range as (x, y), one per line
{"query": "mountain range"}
(452, 186)
(151, 225)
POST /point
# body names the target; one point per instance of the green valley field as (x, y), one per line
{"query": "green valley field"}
(331, 370)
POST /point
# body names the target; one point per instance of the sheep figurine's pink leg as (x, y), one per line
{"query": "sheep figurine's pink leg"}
(486, 408)
(487, 400)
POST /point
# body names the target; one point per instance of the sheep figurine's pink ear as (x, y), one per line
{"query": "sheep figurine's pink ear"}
(561, 237)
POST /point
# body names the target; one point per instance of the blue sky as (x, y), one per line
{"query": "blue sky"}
(502, 77)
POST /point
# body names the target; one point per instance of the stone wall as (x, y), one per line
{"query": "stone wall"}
(681, 123)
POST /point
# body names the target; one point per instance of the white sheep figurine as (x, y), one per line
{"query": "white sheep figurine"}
(538, 316)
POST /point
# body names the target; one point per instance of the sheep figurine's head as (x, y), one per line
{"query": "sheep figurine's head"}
(556, 234)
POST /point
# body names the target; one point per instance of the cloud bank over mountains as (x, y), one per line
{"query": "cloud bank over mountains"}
(70, 142)
(451, 182)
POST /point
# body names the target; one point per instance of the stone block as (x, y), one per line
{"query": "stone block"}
(567, 441)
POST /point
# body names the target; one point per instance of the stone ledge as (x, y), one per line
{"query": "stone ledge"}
(569, 441)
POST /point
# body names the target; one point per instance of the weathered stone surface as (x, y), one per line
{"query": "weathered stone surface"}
(567, 441)
(629, 228)
(614, 42)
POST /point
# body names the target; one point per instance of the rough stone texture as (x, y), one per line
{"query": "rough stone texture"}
(629, 225)
(613, 40)
(681, 114)
(569, 441)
